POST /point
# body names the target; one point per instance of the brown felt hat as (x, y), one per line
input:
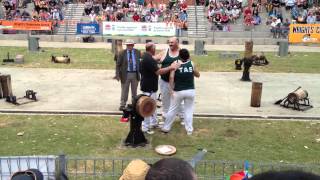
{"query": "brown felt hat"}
(136, 170)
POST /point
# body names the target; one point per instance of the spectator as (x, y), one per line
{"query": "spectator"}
(256, 19)
(183, 16)
(311, 19)
(136, 17)
(141, 3)
(132, 6)
(295, 12)
(285, 28)
(285, 175)
(302, 17)
(92, 16)
(25, 15)
(88, 7)
(154, 17)
(217, 21)
(35, 15)
(55, 14)
(235, 14)
(172, 3)
(147, 17)
(224, 18)
(96, 8)
(184, 6)
(162, 7)
(136, 170)
(275, 27)
(119, 15)
(289, 4)
(171, 169)
(248, 20)
(276, 5)
(247, 11)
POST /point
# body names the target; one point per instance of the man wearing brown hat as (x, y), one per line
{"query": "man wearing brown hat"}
(127, 71)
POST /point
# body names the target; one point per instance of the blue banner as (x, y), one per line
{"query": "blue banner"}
(88, 28)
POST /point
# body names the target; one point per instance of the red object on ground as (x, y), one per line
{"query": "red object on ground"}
(237, 176)
(122, 119)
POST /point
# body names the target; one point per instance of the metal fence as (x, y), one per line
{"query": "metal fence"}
(83, 168)
(103, 168)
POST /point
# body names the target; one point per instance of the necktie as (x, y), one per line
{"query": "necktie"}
(130, 61)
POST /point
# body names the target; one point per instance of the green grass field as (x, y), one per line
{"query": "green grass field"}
(94, 136)
(103, 59)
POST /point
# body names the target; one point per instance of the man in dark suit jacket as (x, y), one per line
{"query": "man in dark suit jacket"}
(127, 71)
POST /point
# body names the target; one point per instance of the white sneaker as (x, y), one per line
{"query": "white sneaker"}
(182, 123)
(148, 131)
(189, 133)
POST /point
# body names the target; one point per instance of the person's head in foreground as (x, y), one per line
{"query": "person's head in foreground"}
(171, 169)
(285, 175)
(184, 55)
(136, 170)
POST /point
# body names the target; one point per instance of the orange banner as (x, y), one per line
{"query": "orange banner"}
(304, 33)
(26, 25)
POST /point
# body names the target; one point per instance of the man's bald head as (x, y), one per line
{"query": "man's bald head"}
(174, 43)
(151, 48)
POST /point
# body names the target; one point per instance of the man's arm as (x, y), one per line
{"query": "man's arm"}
(171, 81)
(196, 73)
(160, 56)
(175, 65)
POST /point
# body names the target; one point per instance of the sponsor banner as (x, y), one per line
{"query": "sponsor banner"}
(27, 25)
(138, 29)
(304, 33)
(83, 28)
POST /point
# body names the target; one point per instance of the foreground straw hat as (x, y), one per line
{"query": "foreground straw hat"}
(136, 170)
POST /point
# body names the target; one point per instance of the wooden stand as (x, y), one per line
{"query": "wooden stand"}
(6, 85)
(256, 93)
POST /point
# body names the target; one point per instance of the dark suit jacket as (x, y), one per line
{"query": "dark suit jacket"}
(122, 65)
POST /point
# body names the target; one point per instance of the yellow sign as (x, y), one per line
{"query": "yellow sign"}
(304, 33)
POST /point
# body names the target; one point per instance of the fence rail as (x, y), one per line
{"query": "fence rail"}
(87, 168)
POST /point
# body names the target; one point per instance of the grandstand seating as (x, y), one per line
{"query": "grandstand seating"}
(198, 26)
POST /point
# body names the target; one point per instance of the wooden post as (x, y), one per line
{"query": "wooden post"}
(6, 85)
(256, 93)
(248, 49)
(1, 92)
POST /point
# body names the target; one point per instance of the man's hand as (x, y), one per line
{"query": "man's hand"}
(175, 65)
(116, 78)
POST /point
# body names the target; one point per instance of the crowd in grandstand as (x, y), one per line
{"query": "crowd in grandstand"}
(137, 11)
(219, 12)
(44, 10)
(300, 11)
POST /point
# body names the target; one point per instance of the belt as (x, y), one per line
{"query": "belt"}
(131, 71)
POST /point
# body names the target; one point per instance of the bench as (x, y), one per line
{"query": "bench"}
(229, 55)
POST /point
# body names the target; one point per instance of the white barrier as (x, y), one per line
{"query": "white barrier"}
(138, 29)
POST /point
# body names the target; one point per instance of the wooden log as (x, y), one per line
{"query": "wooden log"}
(6, 85)
(146, 106)
(256, 93)
(248, 49)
